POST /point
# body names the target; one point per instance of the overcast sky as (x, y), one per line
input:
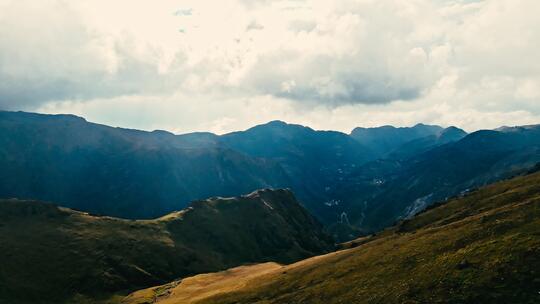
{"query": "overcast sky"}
(226, 65)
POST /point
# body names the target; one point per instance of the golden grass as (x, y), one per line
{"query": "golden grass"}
(199, 287)
(483, 248)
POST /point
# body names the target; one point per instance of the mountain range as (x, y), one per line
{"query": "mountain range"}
(383, 191)
(384, 215)
(354, 183)
(120, 172)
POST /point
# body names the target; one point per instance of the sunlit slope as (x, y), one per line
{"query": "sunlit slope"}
(50, 254)
(203, 286)
(482, 248)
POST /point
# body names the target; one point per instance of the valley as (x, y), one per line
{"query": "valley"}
(481, 248)
(141, 175)
(278, 213)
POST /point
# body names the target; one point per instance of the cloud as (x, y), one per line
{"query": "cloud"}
(47, 53)
(184, 12)
(332, 57)
(311, 57)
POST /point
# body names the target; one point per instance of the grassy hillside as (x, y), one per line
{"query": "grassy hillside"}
(55, 255)
(481, 248)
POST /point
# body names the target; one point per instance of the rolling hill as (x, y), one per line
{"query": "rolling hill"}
(56, 255)
(480, 248)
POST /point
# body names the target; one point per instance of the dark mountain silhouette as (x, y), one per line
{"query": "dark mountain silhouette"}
(383, 191)
(423, 144)
(313, 160)
(51, 254)
(372, 177)
(385, 139)
(120, 172)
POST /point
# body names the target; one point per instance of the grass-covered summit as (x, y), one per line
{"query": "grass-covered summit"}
(51, 254)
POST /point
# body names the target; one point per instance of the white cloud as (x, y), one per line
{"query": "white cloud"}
(227, 65)
(48, 53)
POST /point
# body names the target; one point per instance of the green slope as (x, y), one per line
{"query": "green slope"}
(482, 248)
(51, 255)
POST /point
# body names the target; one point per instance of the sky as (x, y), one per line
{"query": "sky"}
(227, 65)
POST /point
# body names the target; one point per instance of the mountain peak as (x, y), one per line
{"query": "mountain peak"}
(29, 116)
(396, 129)
(162, 132)
(280, 124)
(452, 133)
(209, 236)
(276, 123)
(274, 127)
(423, 126)
(385, 139)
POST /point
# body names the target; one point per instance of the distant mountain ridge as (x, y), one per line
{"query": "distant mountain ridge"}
(64, 158)
(120, 172)
(423, 144)
(312, 159)
(386, 190)
(371, 177)
(386, 139)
